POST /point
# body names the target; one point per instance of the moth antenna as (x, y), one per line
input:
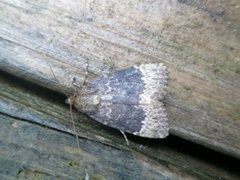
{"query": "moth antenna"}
(125, 137)
(74, 128)
(56, 79)
(70, 102)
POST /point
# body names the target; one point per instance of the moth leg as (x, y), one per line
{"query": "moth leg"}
(125, 137)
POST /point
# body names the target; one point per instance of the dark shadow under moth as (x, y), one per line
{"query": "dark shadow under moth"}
(129, 100)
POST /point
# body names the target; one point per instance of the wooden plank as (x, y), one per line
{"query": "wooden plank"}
(32, 151)
(198, 41)
(37, 141)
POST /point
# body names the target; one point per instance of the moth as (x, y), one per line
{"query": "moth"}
(129, 100)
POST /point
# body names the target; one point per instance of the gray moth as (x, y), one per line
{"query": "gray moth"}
(129, 100)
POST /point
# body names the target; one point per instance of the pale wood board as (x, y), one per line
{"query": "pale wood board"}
(197, 40)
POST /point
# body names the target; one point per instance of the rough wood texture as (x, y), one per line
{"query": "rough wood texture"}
(197, 40)
(37, 142)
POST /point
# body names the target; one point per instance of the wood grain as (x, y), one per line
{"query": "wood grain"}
(197, 40)
(37, 141)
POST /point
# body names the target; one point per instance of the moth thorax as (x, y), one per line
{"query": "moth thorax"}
(87, 103)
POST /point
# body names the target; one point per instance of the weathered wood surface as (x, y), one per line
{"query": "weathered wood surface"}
(37, 142)
(197, 40)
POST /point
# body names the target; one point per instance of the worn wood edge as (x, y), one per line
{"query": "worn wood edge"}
(38, 71)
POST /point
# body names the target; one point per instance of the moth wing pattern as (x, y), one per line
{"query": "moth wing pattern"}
(130, 100)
